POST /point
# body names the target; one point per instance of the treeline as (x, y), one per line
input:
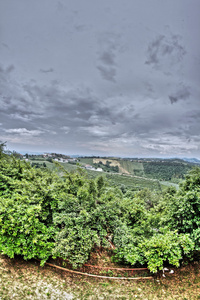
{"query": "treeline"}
(43, 216)
(166, 170)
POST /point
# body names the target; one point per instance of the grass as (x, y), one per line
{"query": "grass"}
(168, 183)
(131, 182)
(86, 160)
(133, 168)
(27, 280)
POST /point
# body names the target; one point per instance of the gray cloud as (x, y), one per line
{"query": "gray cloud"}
(5, 45)
(108, 58)
(50, 70)
(10, 68)
(44, 113)
(39, 105)
(107, 73)
(165, 53)
(109, 44)
(153, 51)
(80, 27)
(4, 72)
(74, 77)
(66, 129)
(183, 93)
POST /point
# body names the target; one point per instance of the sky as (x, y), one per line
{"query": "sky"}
(108, 78)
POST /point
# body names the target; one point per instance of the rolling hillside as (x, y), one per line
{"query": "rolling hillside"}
(172, 170)
(134, 174)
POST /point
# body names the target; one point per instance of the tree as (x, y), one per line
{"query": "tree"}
(28, 198)
(2, 149)
(43, 215)
(184, 208)
(16, 154)
(100, 184)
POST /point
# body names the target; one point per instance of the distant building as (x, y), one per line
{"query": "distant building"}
(63, 160)
(89, 167)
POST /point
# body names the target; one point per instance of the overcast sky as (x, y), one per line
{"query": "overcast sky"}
(101, 77)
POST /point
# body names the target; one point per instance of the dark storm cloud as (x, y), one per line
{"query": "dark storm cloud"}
(165, 52)
(14, 100)
(68, 105)
(63, 109)
(43, 106)
(37, 113)
(183, 93)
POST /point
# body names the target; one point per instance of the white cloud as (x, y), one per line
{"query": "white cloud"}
(98, 131)
(24, 132)
(66, 129)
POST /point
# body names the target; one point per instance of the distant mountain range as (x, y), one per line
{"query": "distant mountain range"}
(192, 160)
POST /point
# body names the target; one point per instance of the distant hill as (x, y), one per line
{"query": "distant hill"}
(136, 173)
(172, 169)
(192, 160)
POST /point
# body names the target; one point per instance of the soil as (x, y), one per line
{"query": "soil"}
(21, 279)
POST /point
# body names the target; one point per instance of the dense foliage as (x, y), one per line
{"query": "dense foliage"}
(166, 170)
(43, 216)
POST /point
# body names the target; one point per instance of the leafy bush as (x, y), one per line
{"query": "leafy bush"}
(156, 251)
(169, 247)
(27, 201)
(184, 213)
(42, 215)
